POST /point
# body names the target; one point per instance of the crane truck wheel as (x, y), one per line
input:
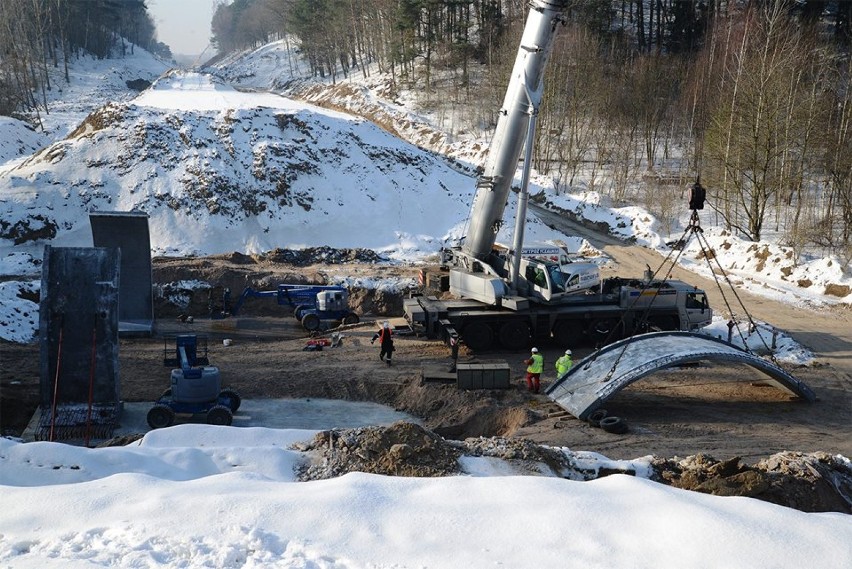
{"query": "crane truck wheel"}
(219, 415)
(514, 335)
(351, 318)
(567, 333)
(311, 322)
(298, 312)
(605, 329)
(665, 322)
(160, 416)
(478, 336)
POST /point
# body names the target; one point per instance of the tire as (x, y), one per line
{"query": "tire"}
(351, 318)
(596, 417)
(665, 322)
(478, 336)
(160, 416)
(605, 329)
(232, 397)
(298, 312)
(567, 333)
(219, 415)
(514, 335)
(614, 425)
(311, 322)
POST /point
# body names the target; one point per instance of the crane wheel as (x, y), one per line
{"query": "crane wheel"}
(514, 335)
(478, 336)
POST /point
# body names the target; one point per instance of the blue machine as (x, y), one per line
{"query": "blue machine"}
(195, 386)
(312, 304)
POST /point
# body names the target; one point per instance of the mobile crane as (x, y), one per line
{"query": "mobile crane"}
(512, 298)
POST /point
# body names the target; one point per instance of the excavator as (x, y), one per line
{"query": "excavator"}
(515, 299)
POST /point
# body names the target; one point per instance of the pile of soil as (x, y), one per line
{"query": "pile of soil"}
(815, 482)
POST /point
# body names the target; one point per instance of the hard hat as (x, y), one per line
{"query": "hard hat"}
(567, 352)
(386, 324)
(534, 350)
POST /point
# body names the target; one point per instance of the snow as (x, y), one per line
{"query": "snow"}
(204, 496)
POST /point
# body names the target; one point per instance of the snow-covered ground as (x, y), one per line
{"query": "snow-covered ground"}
(202, 496)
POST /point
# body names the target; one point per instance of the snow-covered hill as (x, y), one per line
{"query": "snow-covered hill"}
(221, 170)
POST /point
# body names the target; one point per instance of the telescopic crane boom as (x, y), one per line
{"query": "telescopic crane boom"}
(521, 103)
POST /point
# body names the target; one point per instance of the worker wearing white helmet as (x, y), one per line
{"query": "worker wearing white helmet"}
(535, 365)
(563, 364)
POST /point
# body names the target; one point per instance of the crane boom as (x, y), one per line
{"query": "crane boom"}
(521, 102)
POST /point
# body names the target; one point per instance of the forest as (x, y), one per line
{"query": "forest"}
(641, 96)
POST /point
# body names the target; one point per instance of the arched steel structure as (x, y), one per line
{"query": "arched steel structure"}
(593, 380)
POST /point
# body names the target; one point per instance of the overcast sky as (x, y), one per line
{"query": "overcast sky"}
(183, 25)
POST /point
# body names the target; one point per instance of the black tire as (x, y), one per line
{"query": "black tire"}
(478, 336)
(614, 425)
(219, 415)
(596, 417)
(568, 333)
(605, 330)
(665, 322)
(514, 335)
(160, 416)
(311, 322)
(298, 312)
(351, 318)
(232, 398)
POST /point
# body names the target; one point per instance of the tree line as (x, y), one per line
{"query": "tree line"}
(39, 35)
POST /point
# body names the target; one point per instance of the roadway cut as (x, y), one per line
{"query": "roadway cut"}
(596, 378)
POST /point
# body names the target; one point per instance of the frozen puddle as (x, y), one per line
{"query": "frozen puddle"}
(315, 414)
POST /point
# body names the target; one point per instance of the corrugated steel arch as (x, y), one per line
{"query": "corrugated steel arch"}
(594, 379)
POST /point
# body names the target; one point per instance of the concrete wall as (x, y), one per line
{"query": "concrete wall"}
(79, 301)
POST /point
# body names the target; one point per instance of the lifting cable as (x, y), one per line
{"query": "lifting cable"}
(56, 378)
(693, 229)
(92, 364)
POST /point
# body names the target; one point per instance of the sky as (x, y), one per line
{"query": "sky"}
(183, 25)
(206, 496)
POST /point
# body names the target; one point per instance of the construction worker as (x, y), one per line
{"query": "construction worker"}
(563, 364)
(535, 365)
(385, 337)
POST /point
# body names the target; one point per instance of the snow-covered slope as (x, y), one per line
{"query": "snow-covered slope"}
(222, 170)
